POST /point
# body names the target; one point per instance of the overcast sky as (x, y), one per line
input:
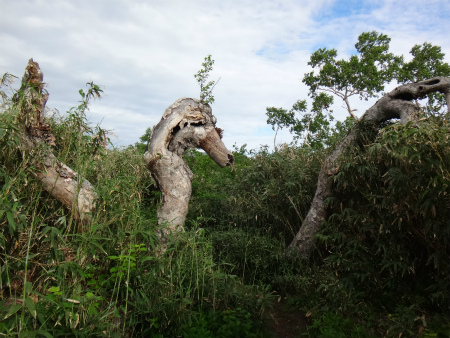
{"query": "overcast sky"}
(144, 53)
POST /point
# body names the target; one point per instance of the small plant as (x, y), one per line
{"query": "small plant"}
(126, 261)
(202, 77)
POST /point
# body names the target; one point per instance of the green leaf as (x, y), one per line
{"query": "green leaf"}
(28, 287)
(44, 333)
(13, 309)
(31, 306)
(54, 289)
(12, 223)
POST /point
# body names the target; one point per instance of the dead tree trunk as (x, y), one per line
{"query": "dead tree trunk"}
(187, 123)
(63, 183)
(394, 105)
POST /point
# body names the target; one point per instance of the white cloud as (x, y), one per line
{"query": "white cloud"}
(144, 53)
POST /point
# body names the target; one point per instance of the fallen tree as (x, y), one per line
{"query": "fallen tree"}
(396, 104)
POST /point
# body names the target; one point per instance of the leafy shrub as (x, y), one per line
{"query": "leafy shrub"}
(386, 244)
(226, 324)
(268, 191)
(330, 325)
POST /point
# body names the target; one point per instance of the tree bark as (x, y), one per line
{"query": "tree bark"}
(394, 105)
(187, 123)
(60, 181)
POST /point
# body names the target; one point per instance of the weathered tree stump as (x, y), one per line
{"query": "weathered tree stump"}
(187, 123)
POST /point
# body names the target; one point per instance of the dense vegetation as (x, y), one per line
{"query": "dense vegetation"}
(380, 265)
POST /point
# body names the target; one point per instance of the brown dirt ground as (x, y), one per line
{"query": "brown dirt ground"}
(286, 322)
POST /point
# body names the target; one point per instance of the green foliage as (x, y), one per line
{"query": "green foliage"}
(405, 322)
(209, 200)
(395, 193)
(330, 325)
(269, 191)
(381, 255)
(280, 118)
(141, 146)
(363, 75)
(314, 128)
(427, 62)
(227, 324)
(274, 191)
(75, 134)
(177, 284)
(202, 78)
(6, 81)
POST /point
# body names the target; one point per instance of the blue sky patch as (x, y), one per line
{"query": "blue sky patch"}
(265, 131)
(346, 8)
(274, 51)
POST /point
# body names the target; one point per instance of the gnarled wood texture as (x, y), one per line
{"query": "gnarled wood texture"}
(187, 123)
(63, 183)
(394, 105)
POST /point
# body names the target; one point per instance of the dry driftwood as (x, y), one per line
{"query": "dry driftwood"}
(187, 123)
(63, 183)
(394, 105)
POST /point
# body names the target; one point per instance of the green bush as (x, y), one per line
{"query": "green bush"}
(330, 325)
(386, 245)
(268, 191)
(226, 324)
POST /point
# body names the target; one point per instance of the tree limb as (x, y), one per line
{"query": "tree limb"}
(394, 105)
(60, 181)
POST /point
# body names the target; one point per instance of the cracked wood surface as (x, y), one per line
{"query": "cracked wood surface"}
(60, 181)
(187, 123)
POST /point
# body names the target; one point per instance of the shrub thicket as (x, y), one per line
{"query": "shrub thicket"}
(381, 258)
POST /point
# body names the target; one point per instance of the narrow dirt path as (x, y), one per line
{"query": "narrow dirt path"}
(286, 322)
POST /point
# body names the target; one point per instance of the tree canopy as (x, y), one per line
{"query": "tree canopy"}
(363, 75)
